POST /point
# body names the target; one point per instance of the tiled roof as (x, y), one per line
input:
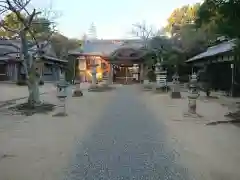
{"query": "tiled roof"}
(215, 50)
(105, 47)
(100, 47)
(9, 49)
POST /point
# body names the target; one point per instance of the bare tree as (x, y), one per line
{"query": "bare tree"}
(143, 31)
(29, 59)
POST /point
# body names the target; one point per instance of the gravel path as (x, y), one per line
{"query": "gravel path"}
(126, 143)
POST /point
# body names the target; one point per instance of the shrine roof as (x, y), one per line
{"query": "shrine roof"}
(105, 47)
(223, 47)
(9, 49)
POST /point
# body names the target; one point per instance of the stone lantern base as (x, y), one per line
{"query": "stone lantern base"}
(100, 88)
(77, 93)
(104, 83)
(60, 114)
(192, 106)
(93, 87)
(161, 89)
(176, 95)
(147, 86)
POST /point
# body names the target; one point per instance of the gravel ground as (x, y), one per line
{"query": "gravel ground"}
(121, 134)
(126, 143)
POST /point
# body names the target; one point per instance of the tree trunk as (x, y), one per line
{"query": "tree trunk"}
(32, 76)
(33, 88)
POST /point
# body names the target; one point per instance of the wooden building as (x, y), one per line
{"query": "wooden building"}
(120, 56)
(11, 68)
(221, 70)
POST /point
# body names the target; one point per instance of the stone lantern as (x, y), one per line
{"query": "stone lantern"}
(161, 77)
(62, 86)
(135, 72)
(147, 85)
(193, 94)
(105, 76)
(94, 85)
(78, 92)
(79, 65)
(175, 94)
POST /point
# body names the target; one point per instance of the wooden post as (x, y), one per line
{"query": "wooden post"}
(141, 72)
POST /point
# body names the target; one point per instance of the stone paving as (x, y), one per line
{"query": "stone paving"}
(126, 143)
(121, 134)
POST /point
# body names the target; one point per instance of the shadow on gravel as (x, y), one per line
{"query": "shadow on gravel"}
(7, 103)
(233, 116)
(11, 107)
(126, 143)
(25, 109)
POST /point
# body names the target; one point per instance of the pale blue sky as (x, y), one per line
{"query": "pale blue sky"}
(112, 18)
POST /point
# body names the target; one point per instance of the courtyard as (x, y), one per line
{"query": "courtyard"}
(125, 133)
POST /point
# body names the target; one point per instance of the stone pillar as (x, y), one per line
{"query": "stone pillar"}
(94, 75)
(77, 92)
(55, 73)
(105, 76)
(94, 85)
(15, 72)
(8, 72)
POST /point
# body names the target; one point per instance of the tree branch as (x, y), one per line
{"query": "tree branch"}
(16, 6)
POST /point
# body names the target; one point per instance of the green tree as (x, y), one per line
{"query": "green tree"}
(180, 17)
(11, 22)
(62, 44)
(186, 35)
(225, 15)
(40, 26)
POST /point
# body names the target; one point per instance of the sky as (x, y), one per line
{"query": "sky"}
(113, 19)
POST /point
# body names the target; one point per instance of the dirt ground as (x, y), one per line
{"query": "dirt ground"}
(12, 91)
(211, 150)
(39, 147)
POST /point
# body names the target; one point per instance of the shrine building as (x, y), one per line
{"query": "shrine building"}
(124, 57)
